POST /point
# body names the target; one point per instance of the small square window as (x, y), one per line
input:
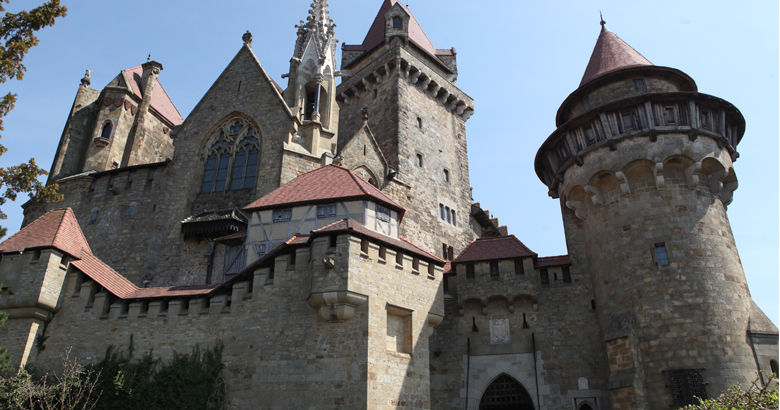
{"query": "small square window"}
(494, 269)
(661, 256)
(419, 160)
(382, 213)
(639, 84)
(325, 211)
(282, 215)
(260, 249)
(470, 271)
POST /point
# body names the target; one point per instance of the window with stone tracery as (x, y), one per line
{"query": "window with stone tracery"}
(232, 157)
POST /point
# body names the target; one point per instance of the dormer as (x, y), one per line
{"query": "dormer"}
(397, 23)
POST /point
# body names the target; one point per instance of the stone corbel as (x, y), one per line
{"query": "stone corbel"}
(336, 306)
(379, 77)
(716, 180)
(454, 103)
(621, 177)
(658, 173)
(691, 176)
(435, 90)
(398, 65)
(425, 83)
(467, 114)
(444, 96)
(366, 84)
(415, 76)
(578, 207)
(461, 108)
(727, 194)
(345, 97)
(407, 70)
(595, 195)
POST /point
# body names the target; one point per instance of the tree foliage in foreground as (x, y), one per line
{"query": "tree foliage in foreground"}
(756, 397)
(17, 36)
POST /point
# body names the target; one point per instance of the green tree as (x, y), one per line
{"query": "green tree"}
(17, 36)
(757, 396)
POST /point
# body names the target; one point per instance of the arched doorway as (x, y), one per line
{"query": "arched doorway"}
(586, 406)
(505, 394)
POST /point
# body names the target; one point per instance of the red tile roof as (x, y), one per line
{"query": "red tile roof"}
(376, 34)
(448, 268)
(325, 184)
(354, 227)
(552, 261)
(502, 247)
(161, 102)
(55, 229)
(610, 54)
(101, 273)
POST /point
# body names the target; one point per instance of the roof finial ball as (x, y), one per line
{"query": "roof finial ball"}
(247, 37)
(603, 23)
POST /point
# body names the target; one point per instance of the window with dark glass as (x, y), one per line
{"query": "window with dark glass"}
(131, 210)
(545, 276)
(705, 119)
(687, 386)
(382, 213)
(470, 270)
(441, 211)
(106, 131)
(639, 84)
(453, 218)
(586, 104)
(566, 274)
(519, 269)
(232, 159)
(447, 212)
(669, 115)
(130, 176)
(397, 22)
(444, 251)
(450, 253)
(628, 122)
(661, 256)
(494, 268)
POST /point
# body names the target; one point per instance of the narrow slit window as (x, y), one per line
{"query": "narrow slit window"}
(444, 250)
(545, 276)
(450, 253)
(453, 218)
(519, 269)
(441, 211)
(419, 122)
(130, 176)
(131, 210)
(705, 119)
(447, 212)
(419, 160)
(106, 132)
(93, 216)
(446, 176)
(566, 274)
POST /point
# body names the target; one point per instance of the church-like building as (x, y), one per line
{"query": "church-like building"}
(327, 234)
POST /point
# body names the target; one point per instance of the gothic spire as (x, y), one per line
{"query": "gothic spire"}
(609, 54)
(318, 27)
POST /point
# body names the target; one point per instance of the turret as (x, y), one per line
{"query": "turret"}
(643, 166)
(311, 85)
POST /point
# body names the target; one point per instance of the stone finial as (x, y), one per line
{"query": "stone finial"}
(365, 114)
(87, 80)
(603, 23)
(247, 37)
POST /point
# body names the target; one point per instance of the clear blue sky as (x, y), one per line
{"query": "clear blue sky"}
(517, 59)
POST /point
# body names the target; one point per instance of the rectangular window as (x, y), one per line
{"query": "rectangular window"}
(661, 257)
(150, 175)
(590, 136)
(92, 186)
(639, 84)
(444, 250)
(453, 219)
(441, 211)
(419, 160)
(415, 265)
(325, 211)
(450, 253)
(566, 274)
(687, 386)
(399, 259)
(519, 269)
(705, 119)
(260, 249)
(447, 212)
(282, 215)
(382, 213)
(110, 182)
(586, 104)
(470, 271)
(130, 176)
(222, 172)
(131, 210)
(238, 171)
(628, 123)
(669, 115)
(93, 216)
(545, 276)
(208, 175)
(494, 269)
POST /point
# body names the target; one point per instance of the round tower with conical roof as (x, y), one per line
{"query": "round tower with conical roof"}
(643, 166)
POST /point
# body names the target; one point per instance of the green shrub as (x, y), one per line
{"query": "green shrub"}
(757, 397)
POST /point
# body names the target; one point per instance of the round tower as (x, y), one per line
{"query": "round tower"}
(643, 166)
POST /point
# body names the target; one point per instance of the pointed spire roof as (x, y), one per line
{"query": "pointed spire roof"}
(610, 54)
(376, 34)
(325, 184)
(319, 27)
(55, 229)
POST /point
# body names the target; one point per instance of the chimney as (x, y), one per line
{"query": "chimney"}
(327, 158)
(151, 69)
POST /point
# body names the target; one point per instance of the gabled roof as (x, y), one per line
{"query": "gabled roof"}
(55, 229)
(376, 34)
(502, 247)
(161, 102)
(610, 54)
(324, 184)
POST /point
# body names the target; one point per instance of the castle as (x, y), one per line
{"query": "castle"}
(326, 233)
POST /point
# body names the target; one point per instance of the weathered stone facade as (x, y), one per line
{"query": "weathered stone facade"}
(379, 283)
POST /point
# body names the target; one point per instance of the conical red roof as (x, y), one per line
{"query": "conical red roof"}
(609, 54)
(376, 34)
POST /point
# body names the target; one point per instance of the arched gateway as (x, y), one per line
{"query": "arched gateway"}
(506, 394)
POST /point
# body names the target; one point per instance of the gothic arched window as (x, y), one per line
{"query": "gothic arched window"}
(505, 393)
(235, 147)
(106, 132)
